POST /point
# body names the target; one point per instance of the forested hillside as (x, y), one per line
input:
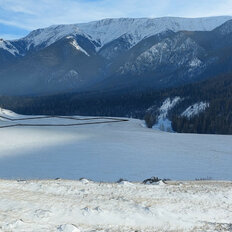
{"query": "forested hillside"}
(217, 92)
(217, 118)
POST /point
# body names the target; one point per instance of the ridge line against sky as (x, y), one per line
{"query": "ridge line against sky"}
(18, 18)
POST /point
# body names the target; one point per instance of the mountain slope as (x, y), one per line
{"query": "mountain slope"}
(8, 53)
(42, 38)
(108, 30)
(172, 60)
(116, 54)
(61, 67)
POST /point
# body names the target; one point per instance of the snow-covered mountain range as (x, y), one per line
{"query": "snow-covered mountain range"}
(107, 30)
(113, 54)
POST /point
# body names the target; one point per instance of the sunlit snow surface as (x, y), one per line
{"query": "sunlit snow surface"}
(83, 206)
(107, 152)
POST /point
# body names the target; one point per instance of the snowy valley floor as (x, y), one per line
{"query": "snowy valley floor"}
(72, 206)
(105, 150)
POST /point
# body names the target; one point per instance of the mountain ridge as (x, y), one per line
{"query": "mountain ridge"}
(157, 53)
(130, 26)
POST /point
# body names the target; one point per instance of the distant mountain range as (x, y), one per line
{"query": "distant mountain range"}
(116, 54)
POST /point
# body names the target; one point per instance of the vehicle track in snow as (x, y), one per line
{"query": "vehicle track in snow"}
(107, 120)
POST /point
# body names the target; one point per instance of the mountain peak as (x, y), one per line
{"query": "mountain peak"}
(225, 28)
(47, 36)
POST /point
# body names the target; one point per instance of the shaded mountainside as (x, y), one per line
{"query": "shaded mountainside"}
(215, 94)
(116, 54)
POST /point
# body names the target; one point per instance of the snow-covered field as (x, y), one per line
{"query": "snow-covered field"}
(109, 151)
(72, 206)
(106, 152)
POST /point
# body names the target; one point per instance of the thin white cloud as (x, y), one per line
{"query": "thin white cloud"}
(22, 6)
(203, 8)
(31, 14)
(17, 24)
(9, 36)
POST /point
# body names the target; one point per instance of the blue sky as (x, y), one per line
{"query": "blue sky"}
(18, 17)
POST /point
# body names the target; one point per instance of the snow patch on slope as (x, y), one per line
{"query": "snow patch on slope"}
(6, 45)
(195, 63)
(163, 123)
(195, 109)
(7, 114)
(74, 43)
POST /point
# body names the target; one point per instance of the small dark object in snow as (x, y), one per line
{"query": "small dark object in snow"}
(205, 178)
(151, 180)
(57, 179)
